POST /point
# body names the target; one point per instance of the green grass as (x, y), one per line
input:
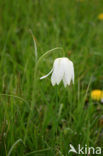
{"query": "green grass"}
(36, 118)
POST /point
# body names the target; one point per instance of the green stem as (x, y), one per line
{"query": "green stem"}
(34, 89)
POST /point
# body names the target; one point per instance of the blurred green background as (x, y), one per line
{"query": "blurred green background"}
(59, 116)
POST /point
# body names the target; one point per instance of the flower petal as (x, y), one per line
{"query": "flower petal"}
(58, 72)
(43, 77)
(68, 71)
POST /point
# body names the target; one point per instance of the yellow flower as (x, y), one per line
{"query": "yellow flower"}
(97, 95)
(100, 16)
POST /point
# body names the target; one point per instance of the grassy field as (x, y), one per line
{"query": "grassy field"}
(37, 119)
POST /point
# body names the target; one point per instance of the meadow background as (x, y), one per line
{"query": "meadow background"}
(36, 118)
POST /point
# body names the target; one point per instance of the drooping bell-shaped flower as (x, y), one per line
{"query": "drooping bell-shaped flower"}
(63, 69)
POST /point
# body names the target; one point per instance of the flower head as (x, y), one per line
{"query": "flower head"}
(62, 70)
(97, 95)
(100, 16)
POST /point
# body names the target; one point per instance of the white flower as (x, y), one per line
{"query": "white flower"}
(62, 70)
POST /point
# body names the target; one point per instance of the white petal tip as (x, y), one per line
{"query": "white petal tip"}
(42, 77)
